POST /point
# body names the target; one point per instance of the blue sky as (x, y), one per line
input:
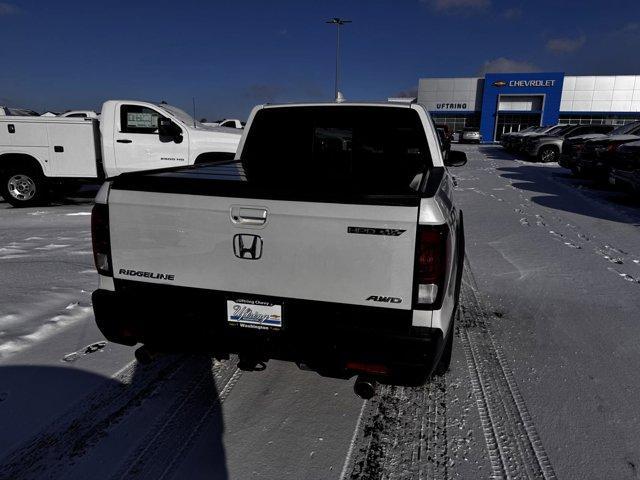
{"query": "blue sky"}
(232, 55)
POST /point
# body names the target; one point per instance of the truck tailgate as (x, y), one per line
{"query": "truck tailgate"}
(333, 252)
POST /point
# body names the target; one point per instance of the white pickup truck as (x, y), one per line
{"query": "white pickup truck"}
(337, 246)
(38, 154)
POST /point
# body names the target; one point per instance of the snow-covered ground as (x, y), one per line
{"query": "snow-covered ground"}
(543, 382)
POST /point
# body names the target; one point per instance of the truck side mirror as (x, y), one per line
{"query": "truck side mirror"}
(168, 129)
(455, 159)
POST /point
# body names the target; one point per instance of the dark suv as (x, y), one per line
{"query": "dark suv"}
(547, 147)
(625, 167)
(593, 160)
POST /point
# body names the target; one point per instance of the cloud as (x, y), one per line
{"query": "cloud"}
(261, 92)
(566, 45)
(506, 65)
(512, 13)
(447, 5)
(410, 92)
(8, 9)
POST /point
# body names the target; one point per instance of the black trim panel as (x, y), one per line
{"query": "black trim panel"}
(323, 334)
(434, 179)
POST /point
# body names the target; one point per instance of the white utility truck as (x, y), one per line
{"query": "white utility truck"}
(43, 154)
(335, 244)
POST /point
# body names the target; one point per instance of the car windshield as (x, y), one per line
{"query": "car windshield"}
(553, 130)
(624, 129)
(183, 116)
(561, 130)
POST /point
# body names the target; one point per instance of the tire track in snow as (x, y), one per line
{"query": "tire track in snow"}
(160, 451)
(514, 447)
(70, 438)
(405, 433)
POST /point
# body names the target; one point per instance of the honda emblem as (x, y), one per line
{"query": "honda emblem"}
(248, 247)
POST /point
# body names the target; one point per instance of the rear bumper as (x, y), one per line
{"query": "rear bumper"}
(567, 161)
(592, 166)
(323, 336)
(625, 178)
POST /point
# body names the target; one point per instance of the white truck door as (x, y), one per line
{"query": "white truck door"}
(137, 144)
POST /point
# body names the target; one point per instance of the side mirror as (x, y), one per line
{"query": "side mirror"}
(166, 128)
(455, 159)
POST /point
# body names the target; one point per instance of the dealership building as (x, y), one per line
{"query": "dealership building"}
(505, 102)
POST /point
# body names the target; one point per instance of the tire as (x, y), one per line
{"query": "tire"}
(445, 359)
(22, 187)
(548, 154)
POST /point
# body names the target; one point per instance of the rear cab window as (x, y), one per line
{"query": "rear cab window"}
(346, 150)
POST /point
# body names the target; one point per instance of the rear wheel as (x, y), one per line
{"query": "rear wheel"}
(577, 172)
(22, 187)
(548, 154)
(445, 359)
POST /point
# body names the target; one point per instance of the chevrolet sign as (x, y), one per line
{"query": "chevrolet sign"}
(524, 83)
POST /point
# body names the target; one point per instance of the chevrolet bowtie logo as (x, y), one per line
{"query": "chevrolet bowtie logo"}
(248, 247)
(499, 83)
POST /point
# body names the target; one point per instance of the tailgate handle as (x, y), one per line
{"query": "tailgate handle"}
(254, 216)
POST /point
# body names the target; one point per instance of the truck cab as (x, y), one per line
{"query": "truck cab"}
(143, 136)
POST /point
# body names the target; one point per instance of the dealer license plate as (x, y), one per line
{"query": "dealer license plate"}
(257, 314)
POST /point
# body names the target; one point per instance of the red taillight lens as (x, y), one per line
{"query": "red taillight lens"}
(101, 239)
(431, 263)
(432, 243)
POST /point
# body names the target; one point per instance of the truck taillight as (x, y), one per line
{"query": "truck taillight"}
(612, 148)
(101, 239)
(431, 263)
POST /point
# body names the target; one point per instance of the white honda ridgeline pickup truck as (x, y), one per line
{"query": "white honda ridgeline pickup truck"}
(41, 154)
(336, 245)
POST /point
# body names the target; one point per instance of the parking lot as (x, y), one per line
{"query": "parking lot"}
(542, 384)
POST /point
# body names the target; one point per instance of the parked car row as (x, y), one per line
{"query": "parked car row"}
(612, 158)
(604, 153)
(545, 143)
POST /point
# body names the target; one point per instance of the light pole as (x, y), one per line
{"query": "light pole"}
(338, 22)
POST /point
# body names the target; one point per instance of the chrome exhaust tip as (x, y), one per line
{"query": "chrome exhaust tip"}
(365, 387)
